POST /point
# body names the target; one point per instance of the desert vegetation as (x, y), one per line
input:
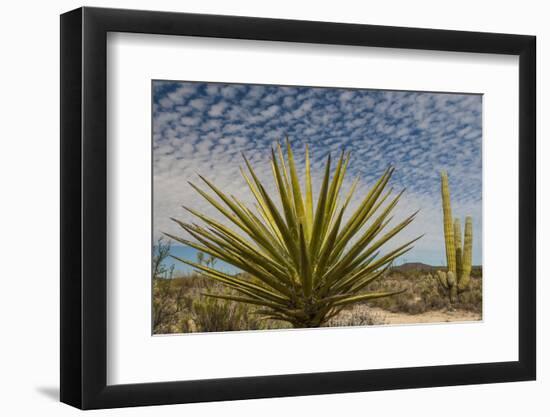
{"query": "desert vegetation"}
(181, 306)
(455, 280)
(309, 265)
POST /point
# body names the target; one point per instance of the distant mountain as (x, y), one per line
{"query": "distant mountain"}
(425, 268)
(416, 266)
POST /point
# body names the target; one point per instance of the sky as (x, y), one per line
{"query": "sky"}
(202, 128)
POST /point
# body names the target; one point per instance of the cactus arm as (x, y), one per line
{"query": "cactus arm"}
(467, 254)
(451, 282)
(458, 247)
(448, 223)
(442, 279)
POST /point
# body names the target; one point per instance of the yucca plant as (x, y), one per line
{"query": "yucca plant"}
(307, 262)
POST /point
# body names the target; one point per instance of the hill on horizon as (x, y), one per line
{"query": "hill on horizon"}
(422, 267)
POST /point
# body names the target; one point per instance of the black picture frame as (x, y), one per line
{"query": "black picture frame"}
(84, 207)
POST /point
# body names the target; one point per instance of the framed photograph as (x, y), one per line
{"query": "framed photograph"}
(257, 208)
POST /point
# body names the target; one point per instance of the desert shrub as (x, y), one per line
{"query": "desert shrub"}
(179, 306)
(424, 294)
(357, 316)
(214, 315)
(209, 314)
(173, 302)
(471, 299)
(161, 251)
(477, 272)
(432, 295)
(168, 305)
(409, 305)
(397, 302)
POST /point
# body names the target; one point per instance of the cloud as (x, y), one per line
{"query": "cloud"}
(204, 127)
(217, 109)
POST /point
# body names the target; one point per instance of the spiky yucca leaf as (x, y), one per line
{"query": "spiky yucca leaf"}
(307, 262)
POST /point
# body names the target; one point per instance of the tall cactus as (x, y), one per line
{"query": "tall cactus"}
(459, 257)
(466, 255)
(458, 246)
(448, 223)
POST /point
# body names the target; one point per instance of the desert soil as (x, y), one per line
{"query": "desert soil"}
(381, 316)
(440, 316)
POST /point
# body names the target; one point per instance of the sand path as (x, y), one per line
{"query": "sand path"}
(379, 316)
(438, 316)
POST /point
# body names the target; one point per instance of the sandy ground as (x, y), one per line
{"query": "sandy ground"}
(440, 316)
(380, 316)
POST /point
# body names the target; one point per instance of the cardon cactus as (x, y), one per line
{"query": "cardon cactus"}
(459, 257)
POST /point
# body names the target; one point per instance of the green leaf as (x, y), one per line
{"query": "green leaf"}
(309, 196)
(316, 233)
(365, 297)
(305, 270)
(296, 192)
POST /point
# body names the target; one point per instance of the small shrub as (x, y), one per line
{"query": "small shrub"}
(358, 316)
(214, 315)
(471, 299)
(424, 294)
(168, 305)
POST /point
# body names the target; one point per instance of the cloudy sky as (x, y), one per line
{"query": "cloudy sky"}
(202, 128)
